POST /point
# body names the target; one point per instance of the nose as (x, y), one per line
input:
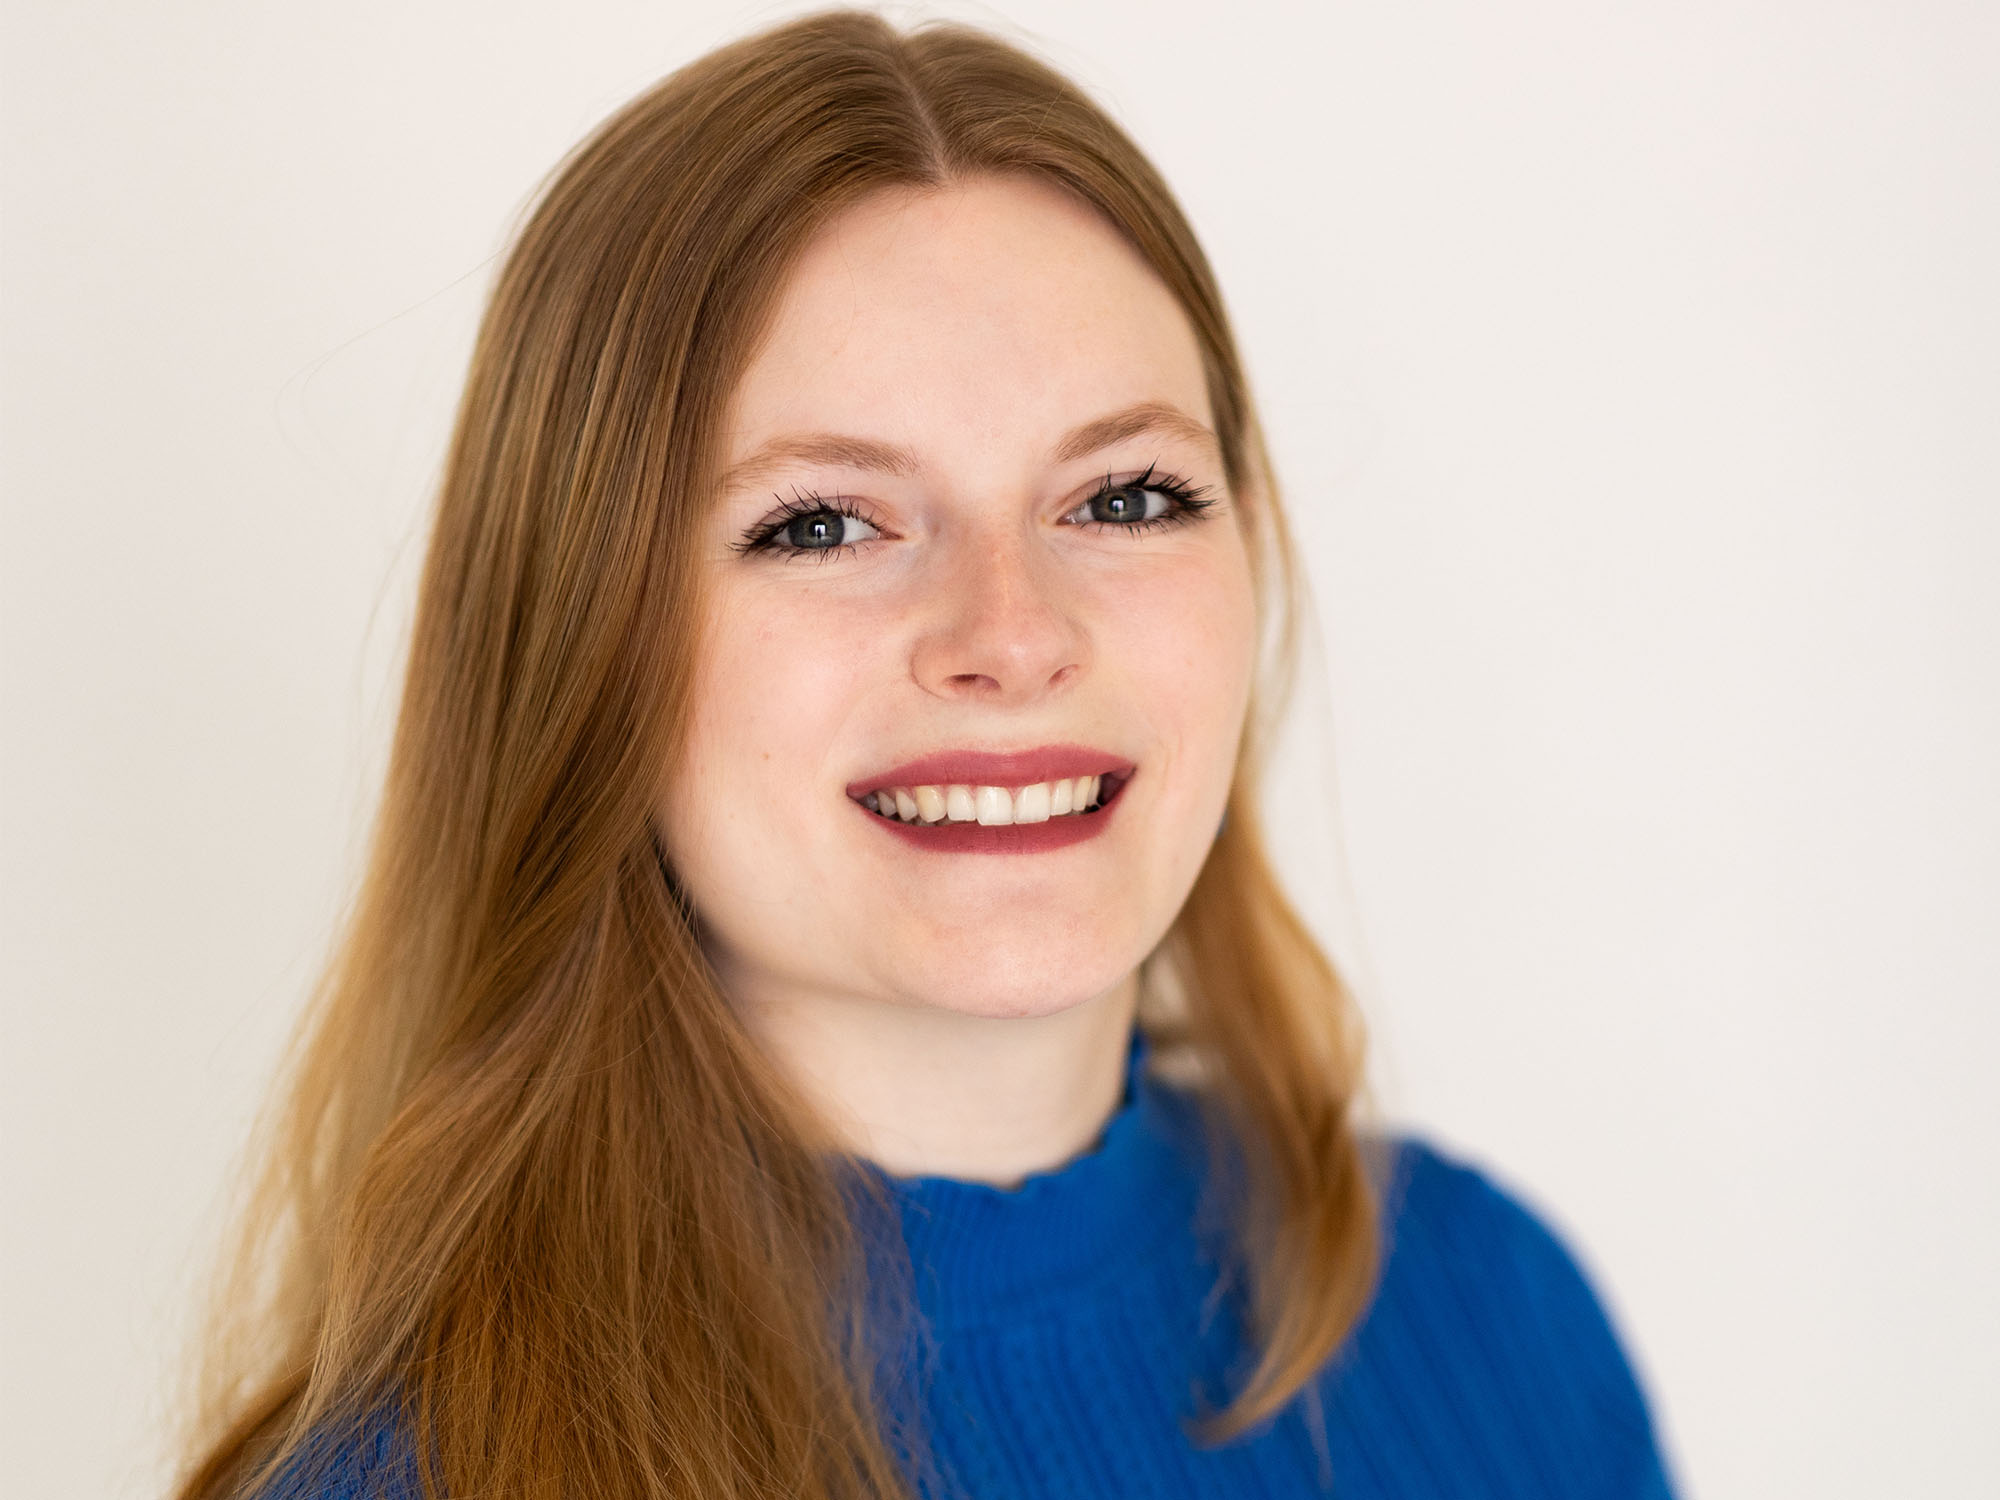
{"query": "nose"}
(1003, 624)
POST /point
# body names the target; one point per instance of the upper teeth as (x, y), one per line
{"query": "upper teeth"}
(986, 804)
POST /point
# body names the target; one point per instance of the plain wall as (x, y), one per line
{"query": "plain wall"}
(1633, 372)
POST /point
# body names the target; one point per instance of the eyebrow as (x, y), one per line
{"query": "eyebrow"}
(835, 450)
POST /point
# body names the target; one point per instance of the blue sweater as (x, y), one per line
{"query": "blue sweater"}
(1070, 1325)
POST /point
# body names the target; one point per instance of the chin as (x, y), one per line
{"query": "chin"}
(1006, 986)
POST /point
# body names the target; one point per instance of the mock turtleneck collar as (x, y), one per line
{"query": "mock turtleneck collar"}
(983, 1254)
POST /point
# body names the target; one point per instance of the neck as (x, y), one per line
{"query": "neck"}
(927, 1092)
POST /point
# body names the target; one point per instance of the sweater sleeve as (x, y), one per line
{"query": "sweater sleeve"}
(1552, 1333)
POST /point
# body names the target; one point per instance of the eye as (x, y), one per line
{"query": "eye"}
(808, 526)
(1128, 504)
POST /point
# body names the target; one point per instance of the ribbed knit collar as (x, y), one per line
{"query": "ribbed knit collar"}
(982, 1254)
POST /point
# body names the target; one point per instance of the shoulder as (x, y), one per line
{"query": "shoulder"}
(1480, 1281)
(1457, 1234)
(1463, 1219)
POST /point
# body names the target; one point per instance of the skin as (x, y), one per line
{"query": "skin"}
(960, 1015)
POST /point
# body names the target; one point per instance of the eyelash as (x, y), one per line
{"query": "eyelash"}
(1187, 498)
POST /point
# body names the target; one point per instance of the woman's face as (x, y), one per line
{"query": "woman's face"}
(949, 381)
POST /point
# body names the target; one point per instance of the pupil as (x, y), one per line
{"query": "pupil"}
(813, 531)
(1120, 505)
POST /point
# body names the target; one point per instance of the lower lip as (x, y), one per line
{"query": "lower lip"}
(1002, 838)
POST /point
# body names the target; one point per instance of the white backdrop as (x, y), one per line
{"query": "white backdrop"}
(1634, 374)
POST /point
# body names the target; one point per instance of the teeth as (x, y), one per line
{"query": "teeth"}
(992, 806)
(996, 805)
(1031, 803)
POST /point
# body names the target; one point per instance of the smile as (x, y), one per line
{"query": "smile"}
(992, 806)
(964, 818)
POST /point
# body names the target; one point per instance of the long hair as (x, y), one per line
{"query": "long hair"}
(531, 1185)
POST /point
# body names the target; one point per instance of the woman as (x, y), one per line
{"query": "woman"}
(821, 1020)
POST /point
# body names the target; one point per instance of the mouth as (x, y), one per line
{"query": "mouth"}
(1009, 769)
(1024, 803)
(988, 805)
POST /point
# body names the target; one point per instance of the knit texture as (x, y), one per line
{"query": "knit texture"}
(1067, 1329)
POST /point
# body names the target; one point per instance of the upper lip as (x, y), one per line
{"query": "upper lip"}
(996, 768)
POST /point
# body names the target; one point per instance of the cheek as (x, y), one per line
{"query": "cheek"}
(1190, 637)
(772, 688)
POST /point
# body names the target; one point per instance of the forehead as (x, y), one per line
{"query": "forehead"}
(985, 317)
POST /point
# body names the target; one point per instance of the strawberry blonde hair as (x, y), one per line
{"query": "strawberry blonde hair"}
(530, 1187)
